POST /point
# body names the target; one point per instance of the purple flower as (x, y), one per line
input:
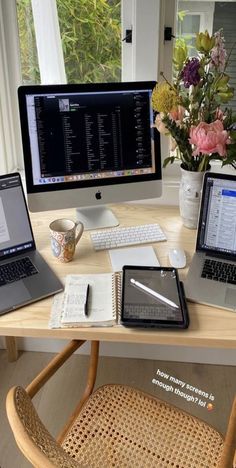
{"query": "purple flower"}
(190, 72)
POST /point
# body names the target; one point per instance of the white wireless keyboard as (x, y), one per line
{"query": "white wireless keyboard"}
(124, 236)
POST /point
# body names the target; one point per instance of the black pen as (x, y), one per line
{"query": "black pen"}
(86, 302)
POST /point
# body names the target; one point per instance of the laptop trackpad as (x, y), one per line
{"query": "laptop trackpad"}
(230, 297)
(13, 294)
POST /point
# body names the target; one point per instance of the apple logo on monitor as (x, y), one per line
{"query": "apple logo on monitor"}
(98, 195)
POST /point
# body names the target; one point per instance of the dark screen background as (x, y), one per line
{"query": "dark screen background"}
(139, 304)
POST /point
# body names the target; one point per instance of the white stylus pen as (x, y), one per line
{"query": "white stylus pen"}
(153, 293)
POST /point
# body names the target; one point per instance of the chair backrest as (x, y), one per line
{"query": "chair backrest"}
(32, 437)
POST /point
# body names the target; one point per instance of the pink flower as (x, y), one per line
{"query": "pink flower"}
(219, 115)
(177, 114)
(160, 125)
(209, 138)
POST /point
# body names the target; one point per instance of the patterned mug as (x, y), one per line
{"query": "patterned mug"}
(64, 238)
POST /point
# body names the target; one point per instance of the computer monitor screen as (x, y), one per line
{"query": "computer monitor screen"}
(87, 145)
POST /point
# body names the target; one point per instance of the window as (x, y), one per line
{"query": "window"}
(27, 41)
(88, 35)
(40, 25)
(91, 39)
(187, 28)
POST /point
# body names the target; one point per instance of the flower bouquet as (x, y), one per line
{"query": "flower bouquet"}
(193, 109)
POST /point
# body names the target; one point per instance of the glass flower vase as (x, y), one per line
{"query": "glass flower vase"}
(189, 197)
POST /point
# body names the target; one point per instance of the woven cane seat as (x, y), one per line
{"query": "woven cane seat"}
(116, 426)
(122, 427)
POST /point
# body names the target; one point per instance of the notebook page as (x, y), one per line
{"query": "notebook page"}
(75, 298)
(56, 311)
(100, 300)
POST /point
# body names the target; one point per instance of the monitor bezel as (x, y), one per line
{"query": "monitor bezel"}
(25, 90)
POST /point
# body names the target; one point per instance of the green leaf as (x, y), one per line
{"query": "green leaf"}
(168, 160)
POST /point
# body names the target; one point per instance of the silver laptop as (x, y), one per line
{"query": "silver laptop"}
(212, 274)
(25, 277)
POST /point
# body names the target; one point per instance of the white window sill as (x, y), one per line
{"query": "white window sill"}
(171, 180)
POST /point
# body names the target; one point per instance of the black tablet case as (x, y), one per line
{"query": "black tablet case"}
(141, 309)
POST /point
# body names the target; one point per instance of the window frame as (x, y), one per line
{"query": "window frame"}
(204, 9)
(140, 58)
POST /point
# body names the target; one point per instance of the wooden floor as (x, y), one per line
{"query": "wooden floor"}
(219, 381)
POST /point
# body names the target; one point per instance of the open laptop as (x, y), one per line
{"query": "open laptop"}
(25, 277)
(212, 274)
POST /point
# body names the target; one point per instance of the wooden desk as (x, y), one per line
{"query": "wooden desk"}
(209, 327)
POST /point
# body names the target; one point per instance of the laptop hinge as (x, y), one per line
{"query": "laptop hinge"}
(220, 255)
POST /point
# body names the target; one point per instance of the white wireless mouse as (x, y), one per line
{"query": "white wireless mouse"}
(177, 257)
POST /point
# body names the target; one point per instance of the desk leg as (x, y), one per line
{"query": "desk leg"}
(11, 346)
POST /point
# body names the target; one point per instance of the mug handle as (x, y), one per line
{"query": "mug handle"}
(79, 224)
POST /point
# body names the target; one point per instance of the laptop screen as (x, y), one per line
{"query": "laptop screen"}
(217, 221)
(15, 230)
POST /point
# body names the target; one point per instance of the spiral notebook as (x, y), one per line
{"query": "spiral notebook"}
(103, 306)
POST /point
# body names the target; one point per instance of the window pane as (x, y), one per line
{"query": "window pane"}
(190, 24)
(224, 17)
(28, 51)
(91, 39)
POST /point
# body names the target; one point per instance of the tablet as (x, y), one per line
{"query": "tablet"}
(153, 297)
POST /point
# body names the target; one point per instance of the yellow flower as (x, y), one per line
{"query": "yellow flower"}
(226, 94)
(204, 42)
(164, 98)
(222, 81)
(180, 54)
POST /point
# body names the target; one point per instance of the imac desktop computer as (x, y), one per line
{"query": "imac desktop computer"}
(88, 145)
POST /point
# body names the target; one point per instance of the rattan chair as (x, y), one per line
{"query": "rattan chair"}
(116, 426)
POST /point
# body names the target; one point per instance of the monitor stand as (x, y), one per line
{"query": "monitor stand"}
(96, 217)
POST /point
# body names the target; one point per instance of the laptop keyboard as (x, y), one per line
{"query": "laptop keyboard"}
(16, 270)
(219, 271)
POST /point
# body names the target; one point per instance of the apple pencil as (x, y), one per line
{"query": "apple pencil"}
(153, 293)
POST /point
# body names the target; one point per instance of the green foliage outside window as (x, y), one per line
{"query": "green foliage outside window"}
(91, 40)
(90, 31)
(28, 51)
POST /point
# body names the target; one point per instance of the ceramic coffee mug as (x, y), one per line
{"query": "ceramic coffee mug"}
(65, 234)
